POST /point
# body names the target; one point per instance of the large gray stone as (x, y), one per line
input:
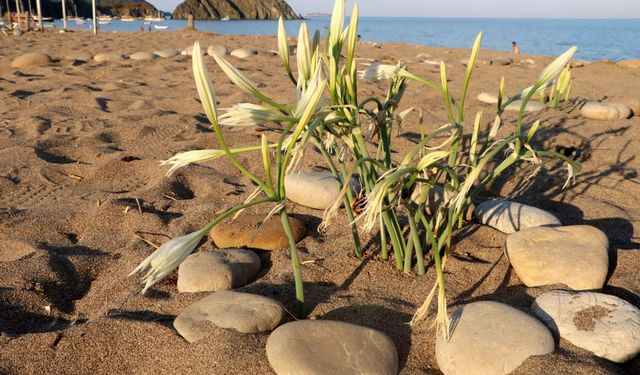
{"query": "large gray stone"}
(216, 49)
(243, 53)
(167, 53)
(317, 190)
(249, 231)
(576, 256)
(488, 98)
(142, 56)
(107, 57)
(322, 347)
(510, 217)
(605, 325)
(532, 106)
(208, 271)
(29, 59)
(489, 338)
(605, 111)
(246, 313)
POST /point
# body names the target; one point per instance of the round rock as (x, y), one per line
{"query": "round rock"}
(488, 98)
(167, 53)
(317, 190)
(489, 338)
(605, 111)
(243, 53)
(576, 256)
(142, 56)
(29, 59)
(532, 106)
(328, 347)
(208, 271)
(249, 231)
(605, 325)
(216, 49)
(246, 313)
(107, 57)
(510, 217)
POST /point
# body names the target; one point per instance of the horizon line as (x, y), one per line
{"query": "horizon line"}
(493, 18)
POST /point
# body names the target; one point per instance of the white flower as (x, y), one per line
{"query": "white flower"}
(248, 114)
(203, 84)
(198, 156)
(189, 157)
(337, 22)
(376, 72)
(310, 95)
(168, 257)
(553, 69)
(549, 73)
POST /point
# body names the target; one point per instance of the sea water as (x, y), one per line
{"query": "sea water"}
(613, 39)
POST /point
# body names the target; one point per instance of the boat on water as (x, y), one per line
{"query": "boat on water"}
(159, 18)
(161, 27)
(103, 22)
(44, 19)
(225, 18)
(128, 19)
(105, 18)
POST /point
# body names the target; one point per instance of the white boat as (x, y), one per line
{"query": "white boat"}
(103, 22)
(44, 19)
(225, 18)
(80, 22)
(155, 19)
(127, 19)
(161, 27)
(105, 18)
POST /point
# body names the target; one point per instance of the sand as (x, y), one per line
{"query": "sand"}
(80, 180)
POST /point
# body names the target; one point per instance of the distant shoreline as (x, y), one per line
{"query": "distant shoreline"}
(596, 40)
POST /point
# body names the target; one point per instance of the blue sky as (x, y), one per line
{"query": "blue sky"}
(470, 8)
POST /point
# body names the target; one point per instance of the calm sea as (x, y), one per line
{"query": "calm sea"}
(596, 39)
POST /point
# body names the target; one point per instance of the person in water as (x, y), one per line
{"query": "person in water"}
(516, 50)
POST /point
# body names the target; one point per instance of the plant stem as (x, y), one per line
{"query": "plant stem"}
(295, 262)
(408, 255)
(416, 241)
(347, 200)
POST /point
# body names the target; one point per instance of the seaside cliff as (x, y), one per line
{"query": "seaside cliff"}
(82, 8)
(236, 9)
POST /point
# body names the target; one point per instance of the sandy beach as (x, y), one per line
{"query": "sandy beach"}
(80, 184)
